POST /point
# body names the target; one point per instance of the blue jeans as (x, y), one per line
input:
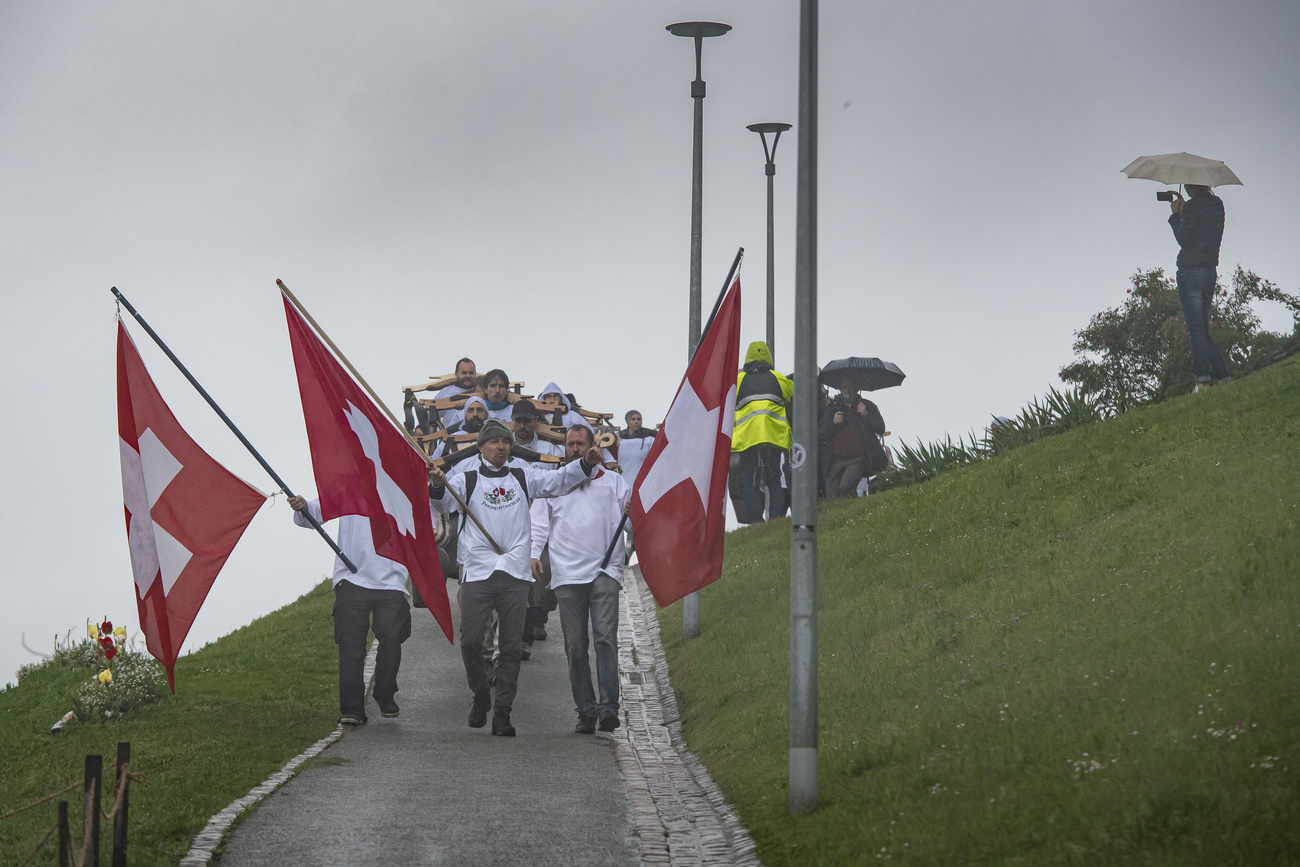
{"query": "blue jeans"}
(1196, 294)
(596, 602)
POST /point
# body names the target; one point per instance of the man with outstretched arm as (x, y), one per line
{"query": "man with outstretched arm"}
(495, 543)
(373, 598)
(579, 527)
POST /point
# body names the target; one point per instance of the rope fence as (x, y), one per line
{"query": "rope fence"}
(92, 812)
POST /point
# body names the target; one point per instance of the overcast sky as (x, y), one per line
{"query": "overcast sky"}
(511, 181)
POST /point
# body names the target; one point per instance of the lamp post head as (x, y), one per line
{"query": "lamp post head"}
(697, 28)
(763, 129)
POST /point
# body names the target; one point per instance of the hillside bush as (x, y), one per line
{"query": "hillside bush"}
(1137, 352)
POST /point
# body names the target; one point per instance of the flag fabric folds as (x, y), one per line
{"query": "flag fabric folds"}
(184, 511)
(364, 466)
(679, 496)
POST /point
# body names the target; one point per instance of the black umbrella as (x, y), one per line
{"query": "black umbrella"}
(868, 374)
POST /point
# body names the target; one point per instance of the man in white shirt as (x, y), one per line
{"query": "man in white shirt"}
(579, 528)
(493, 551)
(374, 598)
(466, 374)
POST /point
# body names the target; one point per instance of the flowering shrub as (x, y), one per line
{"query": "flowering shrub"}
(119, 677)
(133, 681)
(1138, 352)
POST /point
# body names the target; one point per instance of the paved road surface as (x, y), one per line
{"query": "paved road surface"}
(425, 789)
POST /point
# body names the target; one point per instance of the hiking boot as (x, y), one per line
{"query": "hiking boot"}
(501, 724)
(388, 708)
(526, 651)
(609, 721)
(539, 632)
(586, 725)
(478, 711)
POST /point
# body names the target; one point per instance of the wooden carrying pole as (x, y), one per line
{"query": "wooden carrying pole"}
(338, 353)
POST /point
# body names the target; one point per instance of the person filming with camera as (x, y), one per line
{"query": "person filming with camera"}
(1198, 227)
(849, 441)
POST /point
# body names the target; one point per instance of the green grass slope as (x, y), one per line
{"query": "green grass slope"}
(1082, 652)
(244, 705)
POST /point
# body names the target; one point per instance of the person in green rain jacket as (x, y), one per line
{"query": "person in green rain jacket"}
(761, 436)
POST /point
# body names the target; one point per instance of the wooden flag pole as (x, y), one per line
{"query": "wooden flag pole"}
(338, 353)
(230, 424)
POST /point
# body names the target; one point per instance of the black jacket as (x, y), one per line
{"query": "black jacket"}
(1199, 229)
(869, 428)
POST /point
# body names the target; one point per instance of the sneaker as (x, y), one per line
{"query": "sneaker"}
(539, 632)
(348, 723)
(388, 708)
(526, 651)
(586, 725)
(609, 721)
(501, 724)
(1202, 386)
(478, 712)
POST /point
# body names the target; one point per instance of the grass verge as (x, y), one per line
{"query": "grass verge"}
(1081, 652)
(244, 705)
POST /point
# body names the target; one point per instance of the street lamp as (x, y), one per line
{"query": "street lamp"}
(770, 170)
(803, 454)
(696, 30)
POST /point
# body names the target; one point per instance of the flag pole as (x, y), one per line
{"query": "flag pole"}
(691, 601)
(230, 424)
(428, 462)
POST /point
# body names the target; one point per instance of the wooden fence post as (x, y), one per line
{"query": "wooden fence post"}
(94, 774)
(65, 837)
(119, 819)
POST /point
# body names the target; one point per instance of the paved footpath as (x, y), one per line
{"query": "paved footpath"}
(425, 789)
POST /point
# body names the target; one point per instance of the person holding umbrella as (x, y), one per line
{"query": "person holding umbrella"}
(1198, 227)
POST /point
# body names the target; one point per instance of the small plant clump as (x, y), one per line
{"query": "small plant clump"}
(122, 677)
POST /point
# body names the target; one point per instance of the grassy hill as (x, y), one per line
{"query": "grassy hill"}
(244, 706)
(1082, 652)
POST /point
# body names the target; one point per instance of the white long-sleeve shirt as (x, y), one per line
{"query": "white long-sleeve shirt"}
(355, 540)
(579, 527)
(501, 506)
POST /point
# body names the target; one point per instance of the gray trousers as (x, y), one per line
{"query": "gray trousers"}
(843, 476)
(508, 597)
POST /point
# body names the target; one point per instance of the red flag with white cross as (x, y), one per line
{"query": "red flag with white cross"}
(184, 511)
(365, 466)
(679, 496)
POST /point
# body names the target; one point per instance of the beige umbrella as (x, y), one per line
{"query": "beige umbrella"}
(1182, 168)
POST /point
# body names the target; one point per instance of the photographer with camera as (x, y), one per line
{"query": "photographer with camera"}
(849, 441)
(1198, 227)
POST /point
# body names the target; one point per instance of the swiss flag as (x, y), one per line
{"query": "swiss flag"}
(184, 511)
(364, 466)
(678, 498)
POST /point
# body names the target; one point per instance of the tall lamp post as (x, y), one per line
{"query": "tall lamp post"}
(696, 30)
(803, 454)
(770, 170)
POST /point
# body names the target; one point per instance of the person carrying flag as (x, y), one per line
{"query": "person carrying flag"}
(374, 598)
(494, 549)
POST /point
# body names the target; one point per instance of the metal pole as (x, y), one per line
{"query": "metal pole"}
(697, 30)
(230, 424)
(771, 264)
(803, 513)
(691, 604)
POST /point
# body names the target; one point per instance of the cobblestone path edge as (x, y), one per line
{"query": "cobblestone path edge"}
(681, 817)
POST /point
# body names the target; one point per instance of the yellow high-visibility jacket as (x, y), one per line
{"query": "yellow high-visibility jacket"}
(762, 402)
